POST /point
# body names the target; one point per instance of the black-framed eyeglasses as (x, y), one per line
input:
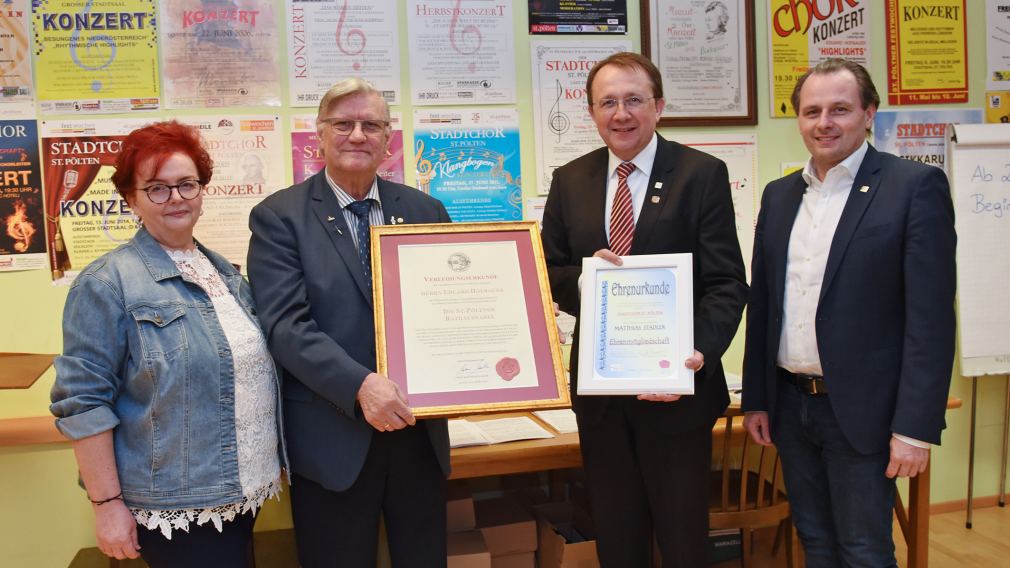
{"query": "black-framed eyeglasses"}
(345, 127)
(631, 103)
(160, 193)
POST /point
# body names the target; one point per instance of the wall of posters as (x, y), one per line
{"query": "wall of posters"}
(218, 53)
(85, 216)
(700, 48)
(17, 95)
(469, 160)
(332, 39)
(919, 135)
(306, 159)
(578, 16)
(927, 52)
(461, 52)
(96, 61)
(562, 127)
(245, 172)
(739, 151)
(997, 43)
(801, 36)
(22, 218)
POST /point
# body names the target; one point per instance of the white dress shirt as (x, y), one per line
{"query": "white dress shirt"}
(638, 184)
(807, 257)
(638, 180)
(374, 214)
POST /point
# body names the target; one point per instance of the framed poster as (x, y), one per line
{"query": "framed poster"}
(636, 325)
(704, 50)
(464, 319)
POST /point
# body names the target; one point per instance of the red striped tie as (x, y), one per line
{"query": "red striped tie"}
(622, 217)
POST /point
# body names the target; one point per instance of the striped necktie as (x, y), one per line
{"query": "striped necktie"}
(622, 216)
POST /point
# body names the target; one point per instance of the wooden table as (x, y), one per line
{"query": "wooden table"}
(21, 370)
(562, 452)
(527, 456)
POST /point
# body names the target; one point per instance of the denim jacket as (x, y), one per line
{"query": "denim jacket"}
(145, 355)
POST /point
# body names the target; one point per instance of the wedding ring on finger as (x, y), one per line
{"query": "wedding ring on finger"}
(388, 426)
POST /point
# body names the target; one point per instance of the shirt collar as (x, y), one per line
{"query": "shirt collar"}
(344, 199)
(850, 164)
(643, 160)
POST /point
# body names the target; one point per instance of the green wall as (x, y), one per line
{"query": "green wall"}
(45, 517)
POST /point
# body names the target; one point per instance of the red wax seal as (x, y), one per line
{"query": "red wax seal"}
(507, 368)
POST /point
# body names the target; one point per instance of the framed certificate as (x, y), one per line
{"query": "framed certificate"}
(705, 53)
(464, 318)
(636, 325)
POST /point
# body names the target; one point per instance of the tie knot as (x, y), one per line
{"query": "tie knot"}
(624, 170)
(361, 208)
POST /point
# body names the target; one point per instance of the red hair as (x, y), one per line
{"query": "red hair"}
(157, 142)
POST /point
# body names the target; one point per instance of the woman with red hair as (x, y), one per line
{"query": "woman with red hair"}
(165, 385)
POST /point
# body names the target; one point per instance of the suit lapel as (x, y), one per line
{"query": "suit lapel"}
(394, 211)
(595, 199)
(855, 207)
(777, 233)
(659, 190)
(327, 210)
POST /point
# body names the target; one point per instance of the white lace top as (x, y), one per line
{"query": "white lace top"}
(255, 403)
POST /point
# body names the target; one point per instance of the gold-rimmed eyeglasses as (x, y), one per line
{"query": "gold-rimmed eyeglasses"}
(160, 193)
(631, 104)
(345, 127)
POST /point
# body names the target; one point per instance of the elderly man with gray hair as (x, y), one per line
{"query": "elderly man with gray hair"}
(356, 450)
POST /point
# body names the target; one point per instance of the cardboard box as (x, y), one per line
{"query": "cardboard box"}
(507, 527)
(467, 549)
(521, 560)
(567, 537)
(459, 514)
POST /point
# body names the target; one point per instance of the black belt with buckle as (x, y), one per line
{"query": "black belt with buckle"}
(809, 384)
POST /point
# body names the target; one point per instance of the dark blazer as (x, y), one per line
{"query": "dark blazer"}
(885, 318)
(694, 214)
(316, 310)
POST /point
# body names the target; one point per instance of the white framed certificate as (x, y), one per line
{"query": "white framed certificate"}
(636, 325)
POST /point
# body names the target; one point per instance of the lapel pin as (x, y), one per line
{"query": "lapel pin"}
(864, 189)
(655, 199)
(658, 185)
(331, 218)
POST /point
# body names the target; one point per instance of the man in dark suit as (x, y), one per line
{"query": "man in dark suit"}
(647, 458)
(850, 326)
(354, 447)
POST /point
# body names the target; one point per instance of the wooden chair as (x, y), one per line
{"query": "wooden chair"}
(746, 489)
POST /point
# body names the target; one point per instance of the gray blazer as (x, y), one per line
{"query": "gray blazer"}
(316, 310)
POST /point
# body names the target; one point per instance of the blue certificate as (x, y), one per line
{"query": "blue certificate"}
(634, 314)
(637, 327)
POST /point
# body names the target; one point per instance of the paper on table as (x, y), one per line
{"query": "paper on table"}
(562, 420)
(511, 429)
(465, 433)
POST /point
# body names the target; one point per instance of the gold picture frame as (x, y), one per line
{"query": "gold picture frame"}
(464, 318)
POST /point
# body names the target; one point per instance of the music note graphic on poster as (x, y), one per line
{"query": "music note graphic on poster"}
(558, 121)
(353, 43)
